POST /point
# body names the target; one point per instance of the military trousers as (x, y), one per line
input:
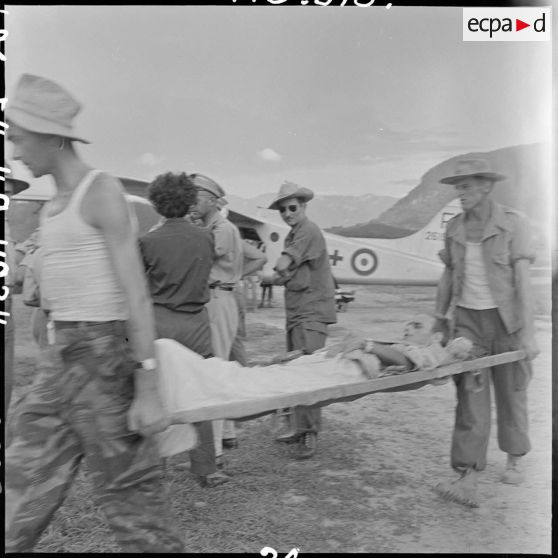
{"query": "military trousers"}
(472, 414)
(223, 320)
(304, 337)
(9, 340)
(76, 409)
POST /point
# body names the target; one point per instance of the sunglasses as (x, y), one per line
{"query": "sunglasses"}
(291, 208)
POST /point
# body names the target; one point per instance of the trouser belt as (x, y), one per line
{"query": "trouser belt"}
(221, 287)
(81, 324)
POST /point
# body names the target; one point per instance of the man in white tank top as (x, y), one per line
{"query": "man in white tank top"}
(486, 283)
(95, 396)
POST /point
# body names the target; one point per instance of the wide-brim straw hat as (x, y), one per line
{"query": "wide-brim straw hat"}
(44, 107)
(203, 182)
(291, 190)
(465, 168)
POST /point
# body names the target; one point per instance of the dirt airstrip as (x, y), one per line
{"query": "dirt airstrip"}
(369, 488)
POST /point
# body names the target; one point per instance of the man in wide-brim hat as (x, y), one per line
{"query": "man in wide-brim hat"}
(487, 252)
(303, 268)
(472, 168)
(289, 190)
(96, 393)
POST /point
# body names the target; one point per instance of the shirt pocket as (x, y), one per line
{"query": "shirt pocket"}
(502, 258)
(500, 249)
(300, 280)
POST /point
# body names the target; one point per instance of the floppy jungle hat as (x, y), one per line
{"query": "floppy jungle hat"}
(202, 182)
(42, 106)
(465, 168)
(291, 190)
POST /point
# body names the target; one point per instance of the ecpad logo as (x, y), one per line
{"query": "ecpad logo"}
(507, 24)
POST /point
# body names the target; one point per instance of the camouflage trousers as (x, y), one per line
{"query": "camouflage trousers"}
(77, 409)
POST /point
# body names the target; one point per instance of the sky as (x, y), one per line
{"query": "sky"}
(341, 100)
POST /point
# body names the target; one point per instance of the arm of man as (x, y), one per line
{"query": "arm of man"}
(254, 259)
(523, 254)
(387, 354)
(307, 244)
(283, 263)
(105, 208)
(443, 298)
(223, 239)
(302, 247)
(525, 300)
(390, 356)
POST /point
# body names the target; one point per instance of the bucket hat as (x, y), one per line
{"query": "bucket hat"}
(42, 106)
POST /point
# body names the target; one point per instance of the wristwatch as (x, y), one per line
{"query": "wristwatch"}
(148, 364)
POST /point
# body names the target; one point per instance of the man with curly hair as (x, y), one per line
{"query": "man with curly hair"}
(178, 256)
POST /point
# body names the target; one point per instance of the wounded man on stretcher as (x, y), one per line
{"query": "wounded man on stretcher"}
(189, 382)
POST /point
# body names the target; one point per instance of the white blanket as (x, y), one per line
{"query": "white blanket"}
(188, 382)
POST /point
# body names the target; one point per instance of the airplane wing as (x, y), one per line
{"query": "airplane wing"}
(242, 220)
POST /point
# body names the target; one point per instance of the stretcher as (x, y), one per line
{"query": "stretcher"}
(247, 410)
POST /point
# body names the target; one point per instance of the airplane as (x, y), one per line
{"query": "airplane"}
(408, 260)
(411, 259)
(24, 208)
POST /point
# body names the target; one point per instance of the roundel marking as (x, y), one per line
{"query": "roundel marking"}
(364, 261)
(274, 237)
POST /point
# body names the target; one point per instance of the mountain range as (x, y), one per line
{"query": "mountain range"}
(326, 210)
(526, 188)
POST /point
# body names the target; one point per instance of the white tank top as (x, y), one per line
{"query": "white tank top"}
(77, 279)
(476, 290)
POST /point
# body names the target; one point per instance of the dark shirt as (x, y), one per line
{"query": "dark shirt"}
(178, 257)
(309, 293)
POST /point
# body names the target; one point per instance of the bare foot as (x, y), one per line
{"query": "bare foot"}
(513, 473)
(463, 490)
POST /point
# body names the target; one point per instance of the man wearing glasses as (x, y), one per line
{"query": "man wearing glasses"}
(303, 268)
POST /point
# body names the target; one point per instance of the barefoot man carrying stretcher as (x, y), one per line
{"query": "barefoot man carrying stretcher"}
(486, 282)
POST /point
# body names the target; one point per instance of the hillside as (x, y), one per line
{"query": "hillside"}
(526, 188)
(527, 168)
